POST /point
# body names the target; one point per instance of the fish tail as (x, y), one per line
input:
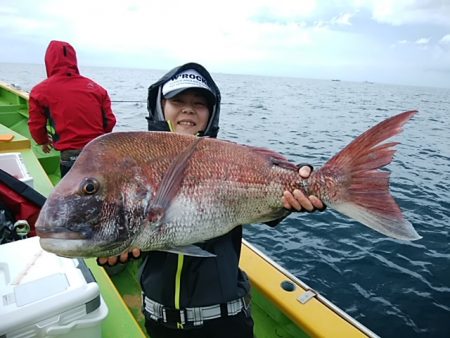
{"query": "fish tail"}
(352, 183)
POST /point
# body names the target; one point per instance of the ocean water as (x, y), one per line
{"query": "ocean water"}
(395, 288)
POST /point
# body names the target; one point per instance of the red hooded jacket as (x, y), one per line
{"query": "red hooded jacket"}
(78, 108)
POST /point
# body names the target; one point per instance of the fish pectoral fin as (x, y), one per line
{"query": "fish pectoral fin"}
(275, 222)
(171, 182)
(190, 250)
(155, 215)
(277, 217)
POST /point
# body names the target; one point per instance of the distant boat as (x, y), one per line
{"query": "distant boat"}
(336, 80)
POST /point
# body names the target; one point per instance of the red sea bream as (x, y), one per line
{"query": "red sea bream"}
(166, 191)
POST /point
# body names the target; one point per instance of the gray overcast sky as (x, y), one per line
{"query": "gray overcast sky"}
(398, 41)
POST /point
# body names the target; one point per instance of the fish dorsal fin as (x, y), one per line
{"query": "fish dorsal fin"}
(275, 158)
(171, 183)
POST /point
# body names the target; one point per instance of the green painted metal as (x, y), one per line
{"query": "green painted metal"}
(14, 115)
(120, 322)
(44, 168)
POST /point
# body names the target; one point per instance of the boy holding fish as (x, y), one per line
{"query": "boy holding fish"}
(185, 294)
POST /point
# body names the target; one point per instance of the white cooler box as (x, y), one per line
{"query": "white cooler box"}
(44, 295)
(14, 165)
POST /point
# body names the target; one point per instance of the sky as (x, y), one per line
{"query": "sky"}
(396, 42)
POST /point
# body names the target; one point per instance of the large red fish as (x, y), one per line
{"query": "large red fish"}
(166, 191)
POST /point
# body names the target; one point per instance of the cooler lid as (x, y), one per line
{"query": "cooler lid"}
(36, 284)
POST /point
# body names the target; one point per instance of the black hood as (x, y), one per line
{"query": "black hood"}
(155, 117)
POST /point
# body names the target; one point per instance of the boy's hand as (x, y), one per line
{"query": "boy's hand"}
(47, 147)
(297, 199)
(123, 258)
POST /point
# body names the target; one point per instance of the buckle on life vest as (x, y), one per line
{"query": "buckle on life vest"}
(174, 316)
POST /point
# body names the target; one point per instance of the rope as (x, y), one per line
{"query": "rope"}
(133, 101)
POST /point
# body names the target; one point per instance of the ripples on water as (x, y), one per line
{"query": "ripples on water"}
(396, 289)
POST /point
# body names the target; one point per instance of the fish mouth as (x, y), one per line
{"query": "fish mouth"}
(76, 247)
(60, 232)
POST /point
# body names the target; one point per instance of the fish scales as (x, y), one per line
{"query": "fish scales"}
(239, 188)
(166, 191)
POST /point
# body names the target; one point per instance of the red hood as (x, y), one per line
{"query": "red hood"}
(60, 57)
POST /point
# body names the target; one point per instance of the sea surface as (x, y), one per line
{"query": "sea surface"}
(395, 288)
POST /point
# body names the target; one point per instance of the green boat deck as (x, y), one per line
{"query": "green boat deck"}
(44, 168)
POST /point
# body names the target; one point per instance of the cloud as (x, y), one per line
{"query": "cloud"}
(423, 41)
(287, 11)
(174, 31)
(343, 19)
(444, 45)
(445, 40)
(325, 39)
(401, 12)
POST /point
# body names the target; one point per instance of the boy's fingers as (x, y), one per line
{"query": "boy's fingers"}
(289, 202)
(102, 260)
(136, 253)
(123, 258)
(112, 260)
(318, 204)
(304, 201)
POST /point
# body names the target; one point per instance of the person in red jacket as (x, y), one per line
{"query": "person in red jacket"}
(77, 108)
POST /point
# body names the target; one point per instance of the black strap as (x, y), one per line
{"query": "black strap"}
(21, 188)
(224, 310)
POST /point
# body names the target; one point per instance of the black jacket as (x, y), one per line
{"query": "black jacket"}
(197, 281)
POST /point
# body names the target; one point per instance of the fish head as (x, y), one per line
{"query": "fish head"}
(97, 209)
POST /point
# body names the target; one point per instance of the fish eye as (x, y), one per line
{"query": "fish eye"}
(90, 186)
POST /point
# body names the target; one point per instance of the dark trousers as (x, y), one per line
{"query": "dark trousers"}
(238, 326)
(64, 168)
(68, 158)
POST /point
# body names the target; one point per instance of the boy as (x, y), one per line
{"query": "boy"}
(187, 296)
